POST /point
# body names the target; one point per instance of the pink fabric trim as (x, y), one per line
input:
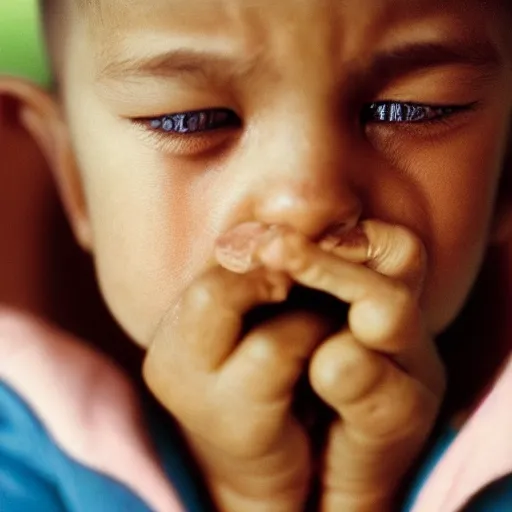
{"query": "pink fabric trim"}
(86, 403)
(481, 453)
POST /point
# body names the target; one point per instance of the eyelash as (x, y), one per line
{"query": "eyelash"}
(190, 123)
(392, 112)
(384, 112)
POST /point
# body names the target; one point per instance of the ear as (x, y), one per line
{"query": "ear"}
(41, 116)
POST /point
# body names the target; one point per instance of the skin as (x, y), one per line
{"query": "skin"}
(151, 209)
(332, 176)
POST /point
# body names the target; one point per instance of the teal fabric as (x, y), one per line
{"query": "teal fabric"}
(433, 455)
(497, 497)
(36, 475)
(175, 459)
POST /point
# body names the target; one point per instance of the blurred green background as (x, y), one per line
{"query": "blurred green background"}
(21, 49)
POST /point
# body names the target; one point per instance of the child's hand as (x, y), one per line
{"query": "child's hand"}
(233, 397)
(381, 374)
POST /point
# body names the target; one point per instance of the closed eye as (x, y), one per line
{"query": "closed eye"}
(400, 112)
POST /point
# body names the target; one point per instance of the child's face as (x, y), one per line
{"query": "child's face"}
(301, 144)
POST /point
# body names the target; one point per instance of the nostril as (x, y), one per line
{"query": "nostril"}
(316, 212)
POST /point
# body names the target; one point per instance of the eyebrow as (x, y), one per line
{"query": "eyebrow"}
(385, 66)
(413, 57)
(183, 63)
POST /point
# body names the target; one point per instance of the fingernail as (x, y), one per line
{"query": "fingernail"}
(271, 252)
(236, 250)
(353, 245)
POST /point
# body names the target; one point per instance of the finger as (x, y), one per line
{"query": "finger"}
(270, 360)
(385, 305)
(258, 382)
(285, 250)
(384, 314)
(391, 323)
(202, 329)
(307, 263)
(369, 391)
(391, 250)
(386, 417)
(396, 252)
(342, 370)
(252, 245)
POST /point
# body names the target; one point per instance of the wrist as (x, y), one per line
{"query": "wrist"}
(258, 486)
(229, 499)
(277, 482)
(334, 502)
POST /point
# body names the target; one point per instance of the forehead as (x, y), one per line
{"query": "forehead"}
(123, 11)
(351, 28)
(136, 12)
(112, 18)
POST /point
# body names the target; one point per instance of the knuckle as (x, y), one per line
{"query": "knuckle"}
(410, 417)
(205, 293)
(385, 417)
(382, 415)
(345, 377)
(285, 342)
(262, 347)
(345, 368)
(383, 320)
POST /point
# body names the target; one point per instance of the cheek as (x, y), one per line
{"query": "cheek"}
(150, 225)
(460, 186)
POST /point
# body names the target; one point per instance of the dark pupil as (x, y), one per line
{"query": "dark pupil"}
(398, 112)
(191, 122)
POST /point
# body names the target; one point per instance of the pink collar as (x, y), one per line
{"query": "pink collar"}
(481, 453)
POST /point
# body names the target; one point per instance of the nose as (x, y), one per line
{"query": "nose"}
(306, 180)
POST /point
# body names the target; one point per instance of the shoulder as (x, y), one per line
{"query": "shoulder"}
(480, 456)
(77, 393)
(62, 401)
